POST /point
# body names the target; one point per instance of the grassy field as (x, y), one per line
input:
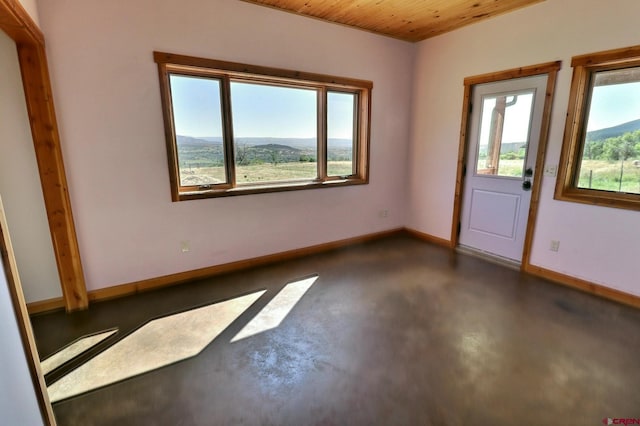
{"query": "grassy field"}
(507, 167)
(605, 175)
(511, 168)
(259, 173)
(595, 174)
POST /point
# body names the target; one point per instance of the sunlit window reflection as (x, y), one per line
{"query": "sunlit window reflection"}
(277, 309)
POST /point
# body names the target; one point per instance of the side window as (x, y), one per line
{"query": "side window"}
(601, 149)
(197, 114)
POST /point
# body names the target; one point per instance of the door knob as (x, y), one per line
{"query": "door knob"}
(526, 185)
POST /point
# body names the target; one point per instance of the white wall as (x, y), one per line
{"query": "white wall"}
(20, 184)
(107, 97)
(18, 403)
(598, 244)
(32, 9)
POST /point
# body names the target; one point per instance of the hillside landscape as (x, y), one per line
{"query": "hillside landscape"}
(611, 159)
(201, 160)
(612, 132)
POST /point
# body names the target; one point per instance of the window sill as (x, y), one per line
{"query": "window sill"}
(599, 198)
(266, 188)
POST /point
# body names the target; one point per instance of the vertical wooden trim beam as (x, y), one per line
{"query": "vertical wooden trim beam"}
(35, 77)
(462, 158)
(537, 178)
(15, 21)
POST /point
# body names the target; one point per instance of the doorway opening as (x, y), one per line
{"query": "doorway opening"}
(503, 140)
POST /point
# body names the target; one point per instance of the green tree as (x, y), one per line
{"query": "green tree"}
(242, 154)
(621, 147)
(593, 149)
(274, 156)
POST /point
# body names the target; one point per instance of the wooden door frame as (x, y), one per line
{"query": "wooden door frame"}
(22, 319)
(549, 68)
(18, 25)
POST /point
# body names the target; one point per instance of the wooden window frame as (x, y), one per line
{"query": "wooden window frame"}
(584, 68)
(225, 72)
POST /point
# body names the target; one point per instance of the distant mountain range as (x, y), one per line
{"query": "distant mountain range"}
(615, 131)
(300, 143)
(208, 151)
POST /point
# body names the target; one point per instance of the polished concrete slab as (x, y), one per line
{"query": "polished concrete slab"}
(395, 331)
(156, 344)
(272, 315)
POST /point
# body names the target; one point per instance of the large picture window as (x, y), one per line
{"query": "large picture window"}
(600, 161)
(235, 129)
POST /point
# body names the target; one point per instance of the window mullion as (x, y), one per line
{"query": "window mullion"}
(170, 134)
(322, 134)
(357, 142)
(362, 125)
(229, 156)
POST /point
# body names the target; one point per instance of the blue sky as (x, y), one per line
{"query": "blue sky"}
(613, 105)
(340, 115)
(196, 106)
(610, 105)
(258, 110)
(516, 121)
(261, 110)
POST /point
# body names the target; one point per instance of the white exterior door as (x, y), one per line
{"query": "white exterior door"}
(504, 132)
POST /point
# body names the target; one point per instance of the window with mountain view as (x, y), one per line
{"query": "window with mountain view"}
(601, 151)
(274, 132)
(341, 123)
(235, 129)
(197, 119)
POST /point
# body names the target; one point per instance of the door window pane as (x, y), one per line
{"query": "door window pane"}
(275, 132)
(341, 113)
(611, 149)
(197, 120)
(504, 134)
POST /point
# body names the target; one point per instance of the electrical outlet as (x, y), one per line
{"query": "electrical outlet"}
(555, 245)
(185, 246)
(383, 214)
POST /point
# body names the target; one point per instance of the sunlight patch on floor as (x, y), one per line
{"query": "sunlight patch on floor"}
(277, 309)
(74, 349)
(154, 345)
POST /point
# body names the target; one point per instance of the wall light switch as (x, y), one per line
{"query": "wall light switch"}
(551, 171)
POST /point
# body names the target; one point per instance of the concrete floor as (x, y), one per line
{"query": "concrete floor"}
(395, 331)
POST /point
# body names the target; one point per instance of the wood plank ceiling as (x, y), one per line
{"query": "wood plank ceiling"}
(410, 20)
